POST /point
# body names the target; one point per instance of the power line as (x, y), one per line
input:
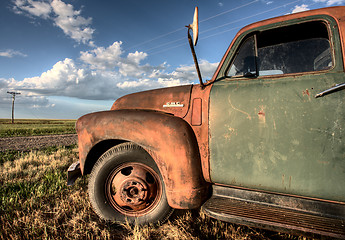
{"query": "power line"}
(231, 10)
(228, 30)
(270, 10)
(180, 39)
(151, 40)
(182, 28)
(164, 44)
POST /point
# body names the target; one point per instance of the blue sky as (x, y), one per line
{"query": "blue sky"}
(71, 57)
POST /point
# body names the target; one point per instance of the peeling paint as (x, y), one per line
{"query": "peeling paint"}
(283, 180)
(183, 178)
(239, 110)
(262, 115)
(231, 131)
(306, 92)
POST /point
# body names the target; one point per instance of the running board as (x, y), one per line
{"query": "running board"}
(277, 212)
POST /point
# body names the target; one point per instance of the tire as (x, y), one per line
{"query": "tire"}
(126, 186)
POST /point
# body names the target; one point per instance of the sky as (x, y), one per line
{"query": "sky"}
(67, 58)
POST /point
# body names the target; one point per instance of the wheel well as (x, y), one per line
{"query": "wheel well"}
(97, 151)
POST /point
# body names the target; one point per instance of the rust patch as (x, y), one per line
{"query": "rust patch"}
(202, 132)
(174, 100)
(197, 112)
(306, 93)
(183, 179)
(262, 115)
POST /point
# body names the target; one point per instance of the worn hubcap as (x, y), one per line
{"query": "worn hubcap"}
(133, 189)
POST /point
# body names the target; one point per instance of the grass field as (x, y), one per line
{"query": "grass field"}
(31, 127)
(35, 203)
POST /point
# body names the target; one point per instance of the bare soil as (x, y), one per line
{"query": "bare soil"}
(36, 142)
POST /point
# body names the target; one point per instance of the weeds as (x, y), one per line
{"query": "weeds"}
(9, 156)
(35, 203)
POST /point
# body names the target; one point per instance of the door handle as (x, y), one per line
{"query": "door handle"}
(336, 88)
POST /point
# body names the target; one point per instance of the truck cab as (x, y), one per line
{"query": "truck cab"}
(260, 144)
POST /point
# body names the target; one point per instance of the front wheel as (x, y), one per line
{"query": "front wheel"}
(126, 185)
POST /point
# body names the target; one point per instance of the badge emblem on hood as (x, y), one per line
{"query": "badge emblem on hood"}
(173, 104)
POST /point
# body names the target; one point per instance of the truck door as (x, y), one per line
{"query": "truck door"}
(267, 130)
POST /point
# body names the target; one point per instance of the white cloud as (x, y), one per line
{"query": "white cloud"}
(35, 8)
(27, 99)
(189, 72)
(105, 74)
(103, 58)
(335, 2)
(136, 57)
(330, 2)
(110, 58)
(9, 53)
(131, 65)
(133, 84)
(300, 8)
(70, 21)
(63, 16)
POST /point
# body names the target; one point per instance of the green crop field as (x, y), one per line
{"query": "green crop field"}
(31, 127)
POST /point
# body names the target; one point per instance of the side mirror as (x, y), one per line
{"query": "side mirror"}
(195, 26)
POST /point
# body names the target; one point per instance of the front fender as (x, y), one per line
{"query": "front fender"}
(170, 141)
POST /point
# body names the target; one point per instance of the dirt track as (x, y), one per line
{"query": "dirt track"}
(36, 142)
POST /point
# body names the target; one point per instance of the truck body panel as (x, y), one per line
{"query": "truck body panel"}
(174, 100)
(266, 132)
(271, 133)
(179, 163)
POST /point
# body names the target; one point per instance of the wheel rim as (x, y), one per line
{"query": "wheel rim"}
(133, 189)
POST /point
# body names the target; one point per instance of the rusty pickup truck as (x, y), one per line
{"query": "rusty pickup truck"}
(260, 144)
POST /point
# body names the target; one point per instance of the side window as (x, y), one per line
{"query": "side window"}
(298, 48)
(244, 62)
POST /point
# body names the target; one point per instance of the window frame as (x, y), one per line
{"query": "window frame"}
(333, 37)
(244, 40)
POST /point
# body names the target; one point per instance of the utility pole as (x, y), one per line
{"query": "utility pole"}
(13, 98)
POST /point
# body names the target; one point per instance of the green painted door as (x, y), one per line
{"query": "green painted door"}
(267, 129)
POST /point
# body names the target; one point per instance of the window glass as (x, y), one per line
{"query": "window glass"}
(244, 62)
(298, 48)
(293, 57)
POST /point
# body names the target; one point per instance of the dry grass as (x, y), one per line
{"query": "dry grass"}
(35, 203)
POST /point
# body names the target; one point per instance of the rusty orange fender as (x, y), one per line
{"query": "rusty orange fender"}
(170, 141)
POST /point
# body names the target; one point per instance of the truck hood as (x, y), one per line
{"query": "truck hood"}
(174, 100)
